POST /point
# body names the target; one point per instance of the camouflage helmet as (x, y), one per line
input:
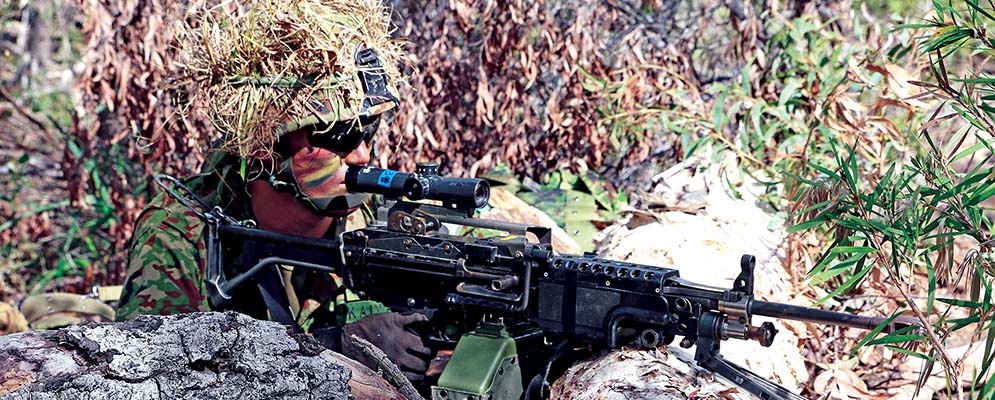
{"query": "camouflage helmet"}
(340, 116)
(266, 68)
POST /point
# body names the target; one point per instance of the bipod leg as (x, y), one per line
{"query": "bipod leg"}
(707, 356)
(538, 387)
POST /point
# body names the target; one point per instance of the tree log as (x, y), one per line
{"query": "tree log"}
(200, 355)
(643, 374)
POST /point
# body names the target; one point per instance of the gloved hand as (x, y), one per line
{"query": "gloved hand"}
(388, 331)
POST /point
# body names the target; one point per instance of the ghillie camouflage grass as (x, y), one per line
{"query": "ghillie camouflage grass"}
(257, 65)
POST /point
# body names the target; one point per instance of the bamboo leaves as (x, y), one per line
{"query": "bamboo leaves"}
(904, 222)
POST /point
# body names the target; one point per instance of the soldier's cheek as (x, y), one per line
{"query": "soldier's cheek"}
(317, 173)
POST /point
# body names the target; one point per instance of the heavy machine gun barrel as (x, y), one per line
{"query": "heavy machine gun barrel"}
(817, 316)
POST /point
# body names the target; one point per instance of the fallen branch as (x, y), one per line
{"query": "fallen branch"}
(27, 114)
(390, 371)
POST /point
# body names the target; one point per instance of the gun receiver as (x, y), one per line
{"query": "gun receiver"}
(407, 260)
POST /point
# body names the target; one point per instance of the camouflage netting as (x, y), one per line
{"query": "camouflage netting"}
(258, 65)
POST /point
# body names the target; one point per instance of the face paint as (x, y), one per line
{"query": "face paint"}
(316, 170)
(315, 174)
(319, 175)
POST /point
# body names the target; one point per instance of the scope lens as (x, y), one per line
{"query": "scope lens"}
(481, 193)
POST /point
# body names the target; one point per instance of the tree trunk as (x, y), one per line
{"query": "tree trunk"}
(201, 355)
(643, 374)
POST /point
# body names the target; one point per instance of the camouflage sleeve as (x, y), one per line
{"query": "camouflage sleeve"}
(166, 263)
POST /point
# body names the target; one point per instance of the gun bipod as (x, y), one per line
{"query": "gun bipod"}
(707, 356)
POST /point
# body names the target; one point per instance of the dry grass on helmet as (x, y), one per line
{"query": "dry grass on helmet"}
(255, 64)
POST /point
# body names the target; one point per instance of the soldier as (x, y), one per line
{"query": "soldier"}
(297, 187)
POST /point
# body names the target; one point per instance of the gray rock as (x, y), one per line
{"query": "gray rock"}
(200, 355)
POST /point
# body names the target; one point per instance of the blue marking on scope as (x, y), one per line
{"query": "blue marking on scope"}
(386, 177)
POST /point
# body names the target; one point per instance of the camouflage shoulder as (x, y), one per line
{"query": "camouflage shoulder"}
(166, 262)
(605, 194)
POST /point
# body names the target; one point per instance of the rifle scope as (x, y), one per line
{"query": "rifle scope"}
(464, 193)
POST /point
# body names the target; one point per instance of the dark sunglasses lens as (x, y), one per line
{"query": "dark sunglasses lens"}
(344, 137)
(338, 138)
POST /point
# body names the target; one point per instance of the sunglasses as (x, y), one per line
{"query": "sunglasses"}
(341, 136)
(345, 136)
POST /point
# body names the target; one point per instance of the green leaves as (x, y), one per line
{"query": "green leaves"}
(849, 284)
(852, 249)
(976, 8)
(891, 339)
(960, 303)
(790, 89)
(945, 37)
(903, 223)
(874, 332)
(812, 223)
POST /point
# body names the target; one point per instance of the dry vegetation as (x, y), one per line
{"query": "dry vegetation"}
(820, 98)
(251, 81)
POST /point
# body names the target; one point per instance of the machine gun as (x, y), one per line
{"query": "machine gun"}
(502, 301)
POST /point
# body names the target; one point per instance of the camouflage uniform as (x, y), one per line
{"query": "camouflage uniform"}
(166, 262)
(167, 258)
(577, 202)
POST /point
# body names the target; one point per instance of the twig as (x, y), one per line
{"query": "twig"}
(739, 152)
(390, 371)
(6, 96)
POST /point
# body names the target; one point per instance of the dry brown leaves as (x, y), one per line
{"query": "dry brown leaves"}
(503, 82)
(844, 384)
(125, 102)
(491, 82)
(869, 122)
